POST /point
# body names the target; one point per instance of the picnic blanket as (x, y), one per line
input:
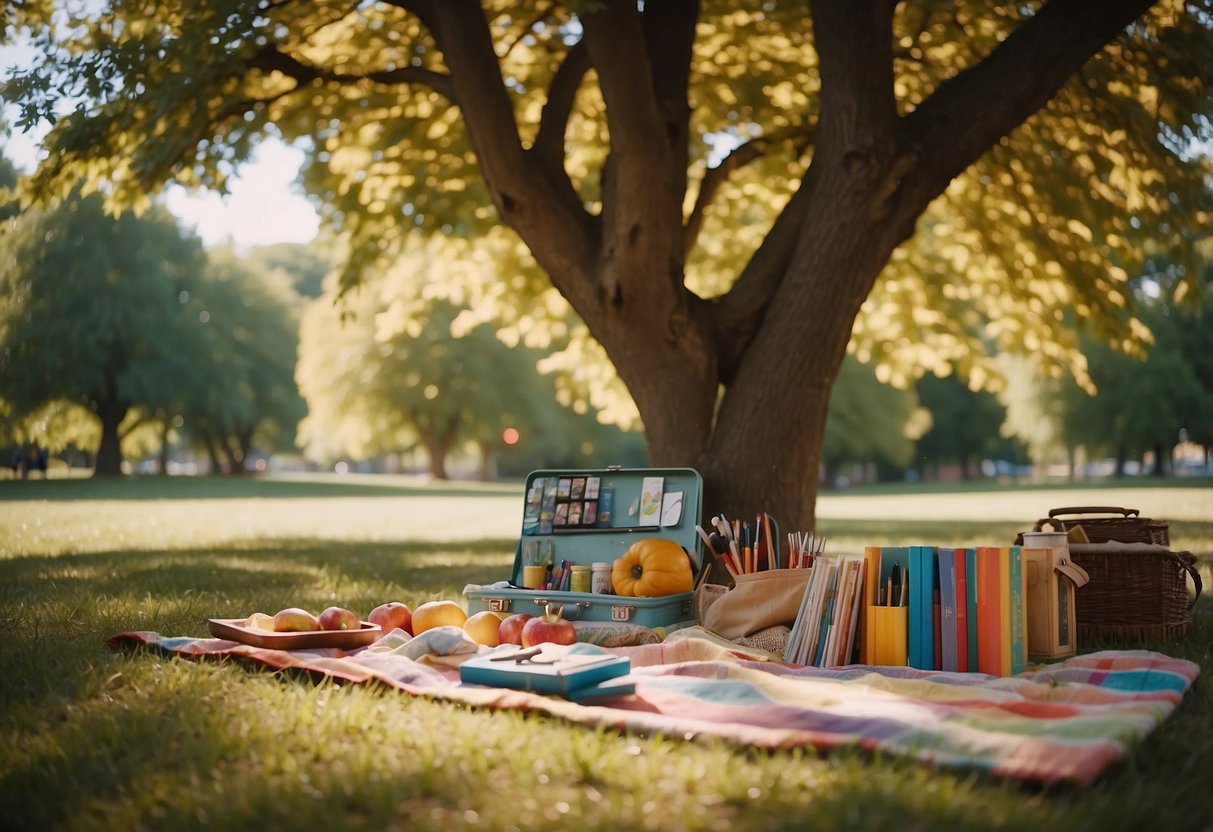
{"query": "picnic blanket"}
(1062, 722)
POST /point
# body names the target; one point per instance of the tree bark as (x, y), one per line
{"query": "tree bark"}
(110, 412)
(738, 386)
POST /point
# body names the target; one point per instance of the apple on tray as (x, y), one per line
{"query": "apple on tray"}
(339, 618)
(295, 620)
(394, 615)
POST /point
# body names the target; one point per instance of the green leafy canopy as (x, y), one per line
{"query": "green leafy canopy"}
(1055, 217)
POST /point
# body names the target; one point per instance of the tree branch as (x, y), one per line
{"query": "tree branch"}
(560, 235)
(737, 158)
(970, 112)
(562, 92)
(271, 59)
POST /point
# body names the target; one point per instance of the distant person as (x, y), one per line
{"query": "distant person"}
(36, 459)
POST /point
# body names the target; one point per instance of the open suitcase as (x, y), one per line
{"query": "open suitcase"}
(593, 516)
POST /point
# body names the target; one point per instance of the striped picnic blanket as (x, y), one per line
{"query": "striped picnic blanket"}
(1062, 722)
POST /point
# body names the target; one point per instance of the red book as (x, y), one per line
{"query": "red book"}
(962, 613)
(989, 612)
(937, 614)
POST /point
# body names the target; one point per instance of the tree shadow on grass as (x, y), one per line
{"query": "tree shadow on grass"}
(270, 571)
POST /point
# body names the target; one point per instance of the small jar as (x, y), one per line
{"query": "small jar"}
(580, 580)
(600, 580)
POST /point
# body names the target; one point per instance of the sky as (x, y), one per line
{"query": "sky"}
(265, 205)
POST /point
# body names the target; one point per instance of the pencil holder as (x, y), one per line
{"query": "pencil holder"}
(533, 576)
(888, 628)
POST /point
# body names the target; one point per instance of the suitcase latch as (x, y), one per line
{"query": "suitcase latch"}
(499, 604)
(619, 612)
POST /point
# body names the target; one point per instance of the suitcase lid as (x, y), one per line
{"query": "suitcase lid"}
(626, 505)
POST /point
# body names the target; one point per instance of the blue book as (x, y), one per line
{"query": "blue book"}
(923, 581)
(971, 601)
(947, 609)
(1017, 595)
(545, 668)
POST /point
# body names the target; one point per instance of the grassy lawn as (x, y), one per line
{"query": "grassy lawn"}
(95, 740)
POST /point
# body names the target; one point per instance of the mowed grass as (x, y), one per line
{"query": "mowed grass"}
(98, 740)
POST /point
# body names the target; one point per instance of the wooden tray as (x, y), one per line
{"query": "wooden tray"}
(232, 628)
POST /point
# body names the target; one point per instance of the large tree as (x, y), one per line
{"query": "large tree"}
(92, 313)
(716, 190)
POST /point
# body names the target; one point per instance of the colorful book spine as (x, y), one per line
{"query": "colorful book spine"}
(923, 582)
(1017, 597)
(988, 611)
(959, 565)
(1004, 611)
(971, 604)
(947, 610)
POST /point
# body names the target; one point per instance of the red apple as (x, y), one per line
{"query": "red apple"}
(510, 631)
(549, 628)
(339, 618)
(391, 616)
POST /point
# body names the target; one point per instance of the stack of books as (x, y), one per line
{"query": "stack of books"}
(962, 609)
(826, 627)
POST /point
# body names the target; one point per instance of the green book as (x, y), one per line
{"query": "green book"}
(1017, 598)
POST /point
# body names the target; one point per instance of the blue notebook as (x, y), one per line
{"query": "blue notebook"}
(546, 668)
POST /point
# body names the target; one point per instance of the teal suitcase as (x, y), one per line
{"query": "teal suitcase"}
(594, 516)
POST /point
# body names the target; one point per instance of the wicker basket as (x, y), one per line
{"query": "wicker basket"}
(1139, 588)
(1137, 592)
(1126, 527)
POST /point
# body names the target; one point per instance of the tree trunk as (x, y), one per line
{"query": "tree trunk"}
(165, 427)
(438, 439)
(436, 453)
(774, 342)
(109, 452)
(1161, 455)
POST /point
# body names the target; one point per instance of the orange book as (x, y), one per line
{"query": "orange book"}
(989, 613)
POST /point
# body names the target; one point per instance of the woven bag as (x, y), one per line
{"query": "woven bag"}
(1137, 592)
(1139, 588)
(1126, 527)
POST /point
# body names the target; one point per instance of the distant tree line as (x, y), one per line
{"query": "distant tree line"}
(121, 337)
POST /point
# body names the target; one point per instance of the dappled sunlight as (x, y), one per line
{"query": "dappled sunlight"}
(98, 526)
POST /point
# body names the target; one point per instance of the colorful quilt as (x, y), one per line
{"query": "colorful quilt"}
(1062, 722)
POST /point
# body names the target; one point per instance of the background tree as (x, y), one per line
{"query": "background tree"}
(870, 422)
(965, 424)
(304, 265)
(716, 191)
(248, 398)
(91, 313)
(398, 367)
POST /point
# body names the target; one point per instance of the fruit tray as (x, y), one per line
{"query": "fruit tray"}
(234, 629)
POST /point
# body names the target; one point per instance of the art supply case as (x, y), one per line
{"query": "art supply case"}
(624, 508)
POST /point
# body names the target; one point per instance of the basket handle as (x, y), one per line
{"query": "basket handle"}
(1189, 565)
(1127, 512)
